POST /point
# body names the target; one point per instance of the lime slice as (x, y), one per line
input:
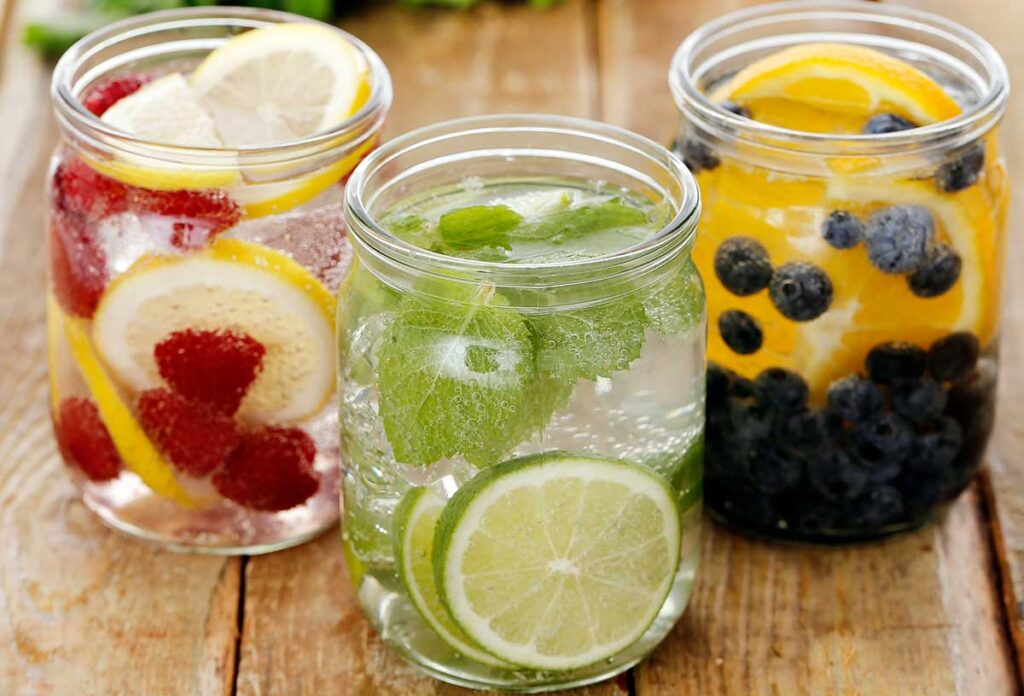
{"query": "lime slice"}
(557, 561)
(415, 520)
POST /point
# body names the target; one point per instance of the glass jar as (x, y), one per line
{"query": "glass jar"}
(191, 301)
(471, 387)
(853, 276)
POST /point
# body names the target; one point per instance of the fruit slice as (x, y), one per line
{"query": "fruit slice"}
(232, 286)
(281, 83)
(109, 92)
(415, 520)
(557, 561)
(136, 450)
(835, 88)
(164, 111)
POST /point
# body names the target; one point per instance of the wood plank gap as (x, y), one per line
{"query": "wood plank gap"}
(240, 618)
(592, 36)
(1002, 577)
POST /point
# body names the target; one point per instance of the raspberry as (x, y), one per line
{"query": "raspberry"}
(194, 437)
(886, 123)
(78, 188)
(742, 265)
(214, 368)
(84, 440)
(78, 266)
(800, 291)
(271, 470)
(107, 93)
(201, 214)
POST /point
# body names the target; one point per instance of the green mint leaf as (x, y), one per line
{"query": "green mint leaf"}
(478, 226)
(592, 342)
(453, 380)
(572, 223)
(675, 305)
(412, 229)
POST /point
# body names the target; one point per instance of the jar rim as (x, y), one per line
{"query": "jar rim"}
(980, 116)
(677, 234)
(66, 86)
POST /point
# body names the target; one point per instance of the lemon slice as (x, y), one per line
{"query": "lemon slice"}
(281, 83)
(164, 111)
(835, 88)
(231, 285)
(136, 450)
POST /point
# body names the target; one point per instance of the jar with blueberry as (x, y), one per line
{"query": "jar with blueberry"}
(855, 204)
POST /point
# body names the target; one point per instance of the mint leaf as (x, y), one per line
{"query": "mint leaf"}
(592, 342)
(676, 305)
(478, 226)
(572, 223)
(453, 380)
(411, 228)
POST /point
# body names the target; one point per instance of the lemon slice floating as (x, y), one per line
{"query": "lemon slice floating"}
(236, 286)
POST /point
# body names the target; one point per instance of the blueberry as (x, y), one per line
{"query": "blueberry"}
(888, 363)
(886, 123)
(897, 237)
(878, 506)
(741, 388)
(770, 470)
(698, 155)
(937, 273)
(953, 357)
(743, 266)
(717, 385)
(881, 445)
(814, 518)
(855, 398)
(803, 431)
(836, 477)
(962, 172)
(800, 291)
(750, 422)
(934, 452)
(842, 229)
(781, 390)
(918, 400)
(740, 331)
(734, 108)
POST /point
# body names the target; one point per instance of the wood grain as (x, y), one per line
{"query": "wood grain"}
(83, 610)
(304, 632)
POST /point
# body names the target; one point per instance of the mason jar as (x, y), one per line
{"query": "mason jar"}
(521, 370)
(191, 299)
(855, 203)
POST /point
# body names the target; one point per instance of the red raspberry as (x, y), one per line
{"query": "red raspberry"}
(84, 440)
(107, 93)
(194, 437)
(215, 368)
(78, 188)
(201, 213)
(78, 266)
(272, 469)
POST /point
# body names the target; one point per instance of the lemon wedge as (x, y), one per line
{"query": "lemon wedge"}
(231, 285)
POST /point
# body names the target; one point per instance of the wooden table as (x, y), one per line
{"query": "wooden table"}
(85, 611)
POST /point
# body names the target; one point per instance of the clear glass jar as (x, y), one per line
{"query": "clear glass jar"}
(191, 302)
(427, 415)
(850, 389)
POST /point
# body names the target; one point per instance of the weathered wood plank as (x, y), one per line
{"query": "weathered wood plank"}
(920, 614)
(303, 631)
(83, 610)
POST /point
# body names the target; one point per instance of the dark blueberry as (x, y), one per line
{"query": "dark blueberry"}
(963, 171)
(881, 445)
(734, 108)
(717, 385)
(953, 357)
(740, 331)
(804, 431)
(934, 452)
(781, 390)
(743, 266)
(750, 422)
(918, 400)
(922, 492)
(836, 477)
(889, 363)
(741, 387)
(698, 155)
(842, 229)
(886, 123)
(937, 273)
(878, 506)
(771, 470)
(972, 404)
(815, 518)
(854, 398)
(897, 237)
(800, 291)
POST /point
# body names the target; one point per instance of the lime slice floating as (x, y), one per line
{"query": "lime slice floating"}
(415, 520)
(557, 561)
